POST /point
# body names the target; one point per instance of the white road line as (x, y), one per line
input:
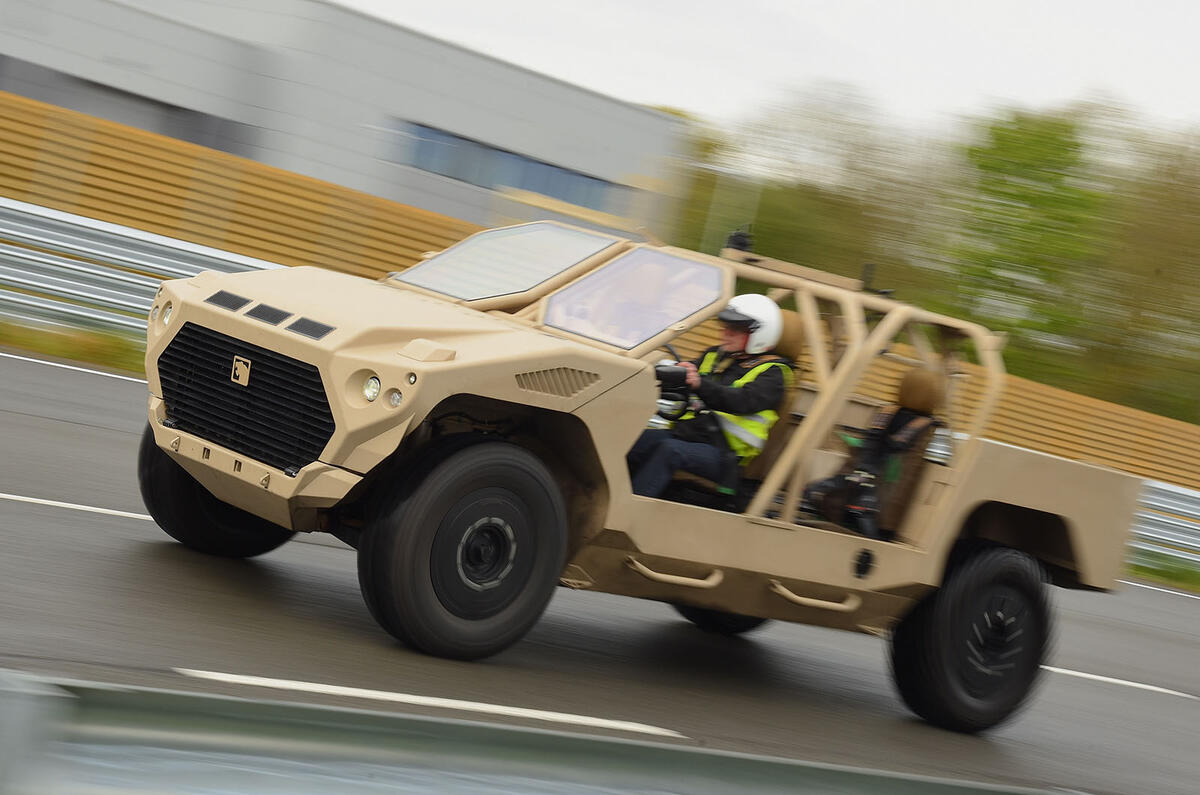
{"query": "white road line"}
(495, 709)
(1126, 683)
(301, 538)
(74, 507)
(429, 701)
(72, 367)
(1162, 590)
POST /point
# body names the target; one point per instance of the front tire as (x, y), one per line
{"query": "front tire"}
(717, 621)
(464, 565)
(191, 515)
(968, 656)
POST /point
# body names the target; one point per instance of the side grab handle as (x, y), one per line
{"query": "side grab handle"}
(711, 581)
(847, 605)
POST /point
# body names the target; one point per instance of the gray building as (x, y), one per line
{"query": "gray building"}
(322, 90)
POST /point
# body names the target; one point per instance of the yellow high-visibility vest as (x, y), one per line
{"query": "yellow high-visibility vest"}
(746, 434)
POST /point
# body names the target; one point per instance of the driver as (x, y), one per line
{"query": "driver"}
(741, 382)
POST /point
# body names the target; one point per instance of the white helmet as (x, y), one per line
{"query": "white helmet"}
(757, 314)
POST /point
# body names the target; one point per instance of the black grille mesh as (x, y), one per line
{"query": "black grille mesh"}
(227, 300)
(268, 314)
(281, 417)
(310, 328)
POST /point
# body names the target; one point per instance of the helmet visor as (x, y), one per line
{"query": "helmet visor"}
(735, 319)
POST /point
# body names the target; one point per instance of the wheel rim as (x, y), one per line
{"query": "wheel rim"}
(482, 554)
(997, 642)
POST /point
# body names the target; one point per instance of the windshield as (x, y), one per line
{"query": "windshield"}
(634, 297)
(505, 261)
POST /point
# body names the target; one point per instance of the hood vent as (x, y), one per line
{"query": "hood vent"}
(227, 300)
(268, 314)
(310, 328)
(561, 381)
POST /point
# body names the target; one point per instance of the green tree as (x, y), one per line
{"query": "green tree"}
(1032, 232)
(1142, 339)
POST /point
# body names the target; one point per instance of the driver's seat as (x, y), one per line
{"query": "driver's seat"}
(736, 495)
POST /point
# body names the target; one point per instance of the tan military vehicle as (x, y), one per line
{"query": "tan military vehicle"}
(464, 425)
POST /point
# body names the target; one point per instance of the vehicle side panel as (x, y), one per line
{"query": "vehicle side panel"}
(1097, 505)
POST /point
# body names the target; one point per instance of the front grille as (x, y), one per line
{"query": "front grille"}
(280, 417)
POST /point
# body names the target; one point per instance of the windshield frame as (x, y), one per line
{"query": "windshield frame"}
(728, 277)
(511, 302)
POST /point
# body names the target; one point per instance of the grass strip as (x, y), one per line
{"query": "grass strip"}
(123, 353)
(1166, 571)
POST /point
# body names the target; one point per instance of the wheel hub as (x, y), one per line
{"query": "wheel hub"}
(482, 553)
(486, 552)
(995, 641)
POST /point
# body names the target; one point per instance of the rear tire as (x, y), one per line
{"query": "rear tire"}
(191, 515)
(967, 657)
(717, 621)
(464, 564)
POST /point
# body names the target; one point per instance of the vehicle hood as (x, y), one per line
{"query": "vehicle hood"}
(372, 323)
(352, 305)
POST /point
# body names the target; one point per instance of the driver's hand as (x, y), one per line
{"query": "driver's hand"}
(693, 375)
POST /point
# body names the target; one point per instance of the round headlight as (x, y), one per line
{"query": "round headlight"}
(154, 313)
(166, 313)
(371, 388)
(394, 398)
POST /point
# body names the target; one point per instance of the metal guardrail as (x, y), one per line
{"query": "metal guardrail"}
(69, 270)
(1167, 526)
(72, 736)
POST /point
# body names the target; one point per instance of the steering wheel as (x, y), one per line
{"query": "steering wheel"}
(673, 391)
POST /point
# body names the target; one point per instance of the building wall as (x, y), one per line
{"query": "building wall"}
(331, 93)
(105, 43)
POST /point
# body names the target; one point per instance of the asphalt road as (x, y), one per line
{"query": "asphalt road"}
(111, 598)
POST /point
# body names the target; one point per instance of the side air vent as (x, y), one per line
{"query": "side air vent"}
(310, 328)
(561, 381)
(227, 300)
(268, 314)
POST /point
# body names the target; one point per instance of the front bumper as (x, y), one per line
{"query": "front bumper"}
(234, 478)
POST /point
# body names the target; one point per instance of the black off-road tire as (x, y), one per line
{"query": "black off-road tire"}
(462, 563)
(717, 621)
(968, 656)
(191, 515)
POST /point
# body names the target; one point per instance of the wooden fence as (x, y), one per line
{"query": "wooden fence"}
(80, 164)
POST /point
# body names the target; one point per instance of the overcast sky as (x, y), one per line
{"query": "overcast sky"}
(924, 62)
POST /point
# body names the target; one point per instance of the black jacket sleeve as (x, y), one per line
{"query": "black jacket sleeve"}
(764, 392)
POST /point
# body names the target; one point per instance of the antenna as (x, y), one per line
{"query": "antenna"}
(868, 273)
